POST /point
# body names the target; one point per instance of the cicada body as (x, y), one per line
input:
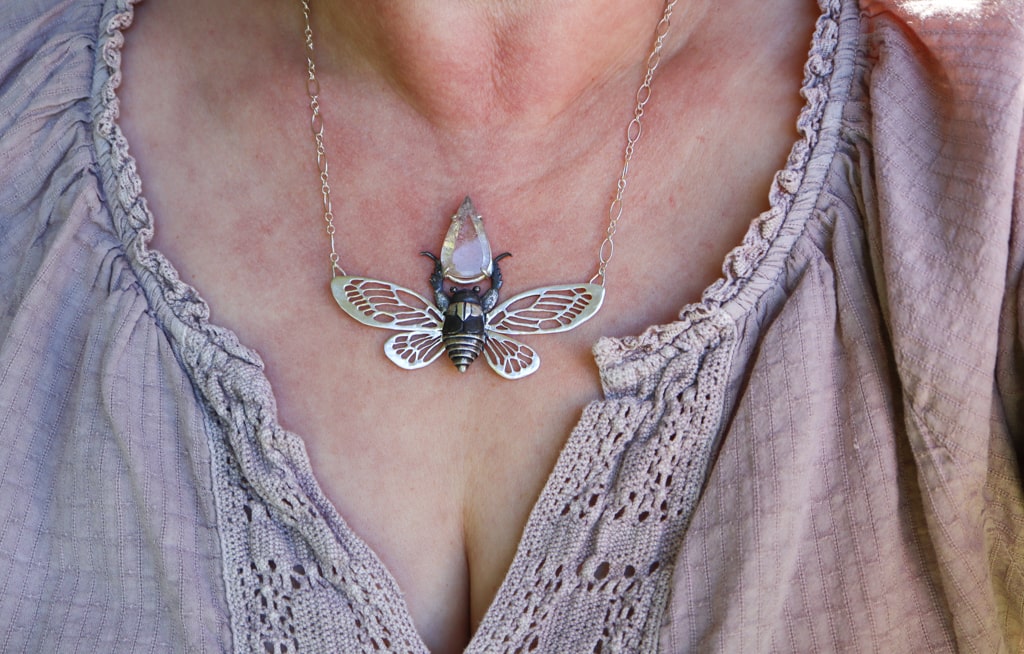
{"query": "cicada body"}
(466, 323)
(464, 331)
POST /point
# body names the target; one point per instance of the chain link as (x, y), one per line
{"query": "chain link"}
(317, 124)
(633, 131)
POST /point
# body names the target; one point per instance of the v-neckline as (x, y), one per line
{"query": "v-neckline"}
(277, 469)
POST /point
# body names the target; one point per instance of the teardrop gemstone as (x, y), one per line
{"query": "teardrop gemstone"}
(466, 254)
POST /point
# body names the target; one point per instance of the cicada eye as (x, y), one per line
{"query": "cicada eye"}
(476, 289)
(455, 289)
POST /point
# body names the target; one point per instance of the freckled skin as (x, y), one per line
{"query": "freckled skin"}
(528, 116)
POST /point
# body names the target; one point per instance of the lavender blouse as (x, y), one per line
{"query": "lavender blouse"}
(824, 454)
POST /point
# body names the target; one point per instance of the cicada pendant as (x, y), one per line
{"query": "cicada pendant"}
(466, 322)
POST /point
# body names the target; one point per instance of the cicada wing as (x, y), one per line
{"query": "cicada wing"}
(412, 350)
(548, 309)
(383, 304)
(510, 358)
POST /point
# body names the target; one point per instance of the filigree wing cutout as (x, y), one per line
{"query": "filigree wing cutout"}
(510, 358)
(412, 350)
(383, 304)
(548, 309)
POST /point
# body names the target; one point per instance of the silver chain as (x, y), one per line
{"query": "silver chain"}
(317, 124)
(633, 132)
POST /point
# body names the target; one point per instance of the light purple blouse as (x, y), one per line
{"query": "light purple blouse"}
(824, 454)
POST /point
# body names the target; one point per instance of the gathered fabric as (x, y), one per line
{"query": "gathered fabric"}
(823, 454)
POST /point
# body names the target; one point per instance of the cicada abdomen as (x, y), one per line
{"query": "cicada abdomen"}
(463, 329)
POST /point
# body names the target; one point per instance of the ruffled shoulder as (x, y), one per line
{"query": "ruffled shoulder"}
(46, 71)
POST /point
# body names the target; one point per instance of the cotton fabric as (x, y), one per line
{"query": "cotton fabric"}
(821, 455)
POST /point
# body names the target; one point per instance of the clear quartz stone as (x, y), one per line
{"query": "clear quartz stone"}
(466, 254)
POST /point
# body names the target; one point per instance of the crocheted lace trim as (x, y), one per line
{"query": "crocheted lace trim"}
(593, 568)
(744, 273)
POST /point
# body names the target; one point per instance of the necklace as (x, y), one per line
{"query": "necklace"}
(465, 321)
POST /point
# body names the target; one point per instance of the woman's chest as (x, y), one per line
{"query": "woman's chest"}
(438, 471)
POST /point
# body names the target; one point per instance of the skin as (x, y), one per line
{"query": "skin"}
(521, 105)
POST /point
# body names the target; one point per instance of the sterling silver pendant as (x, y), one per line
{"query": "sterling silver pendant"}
(466, 322)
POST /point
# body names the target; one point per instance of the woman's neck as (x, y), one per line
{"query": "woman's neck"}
(489, 64)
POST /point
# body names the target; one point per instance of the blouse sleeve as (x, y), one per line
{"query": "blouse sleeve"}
(46, 68)
(867, 495)
(108, 535)
(947, 94)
